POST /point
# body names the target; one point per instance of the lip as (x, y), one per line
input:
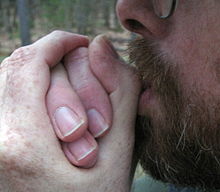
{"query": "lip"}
(145, 100)
(146, 96)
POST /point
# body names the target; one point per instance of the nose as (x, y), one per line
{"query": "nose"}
(138, 16)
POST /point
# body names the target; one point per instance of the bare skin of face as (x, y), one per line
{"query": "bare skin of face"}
(178, 60)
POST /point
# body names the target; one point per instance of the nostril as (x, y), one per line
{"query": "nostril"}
(134, 25)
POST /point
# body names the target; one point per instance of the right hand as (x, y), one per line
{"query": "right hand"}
(79, 107)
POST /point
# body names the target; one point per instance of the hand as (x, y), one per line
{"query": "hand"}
(70, 103)
(81, 77)
(30, 155)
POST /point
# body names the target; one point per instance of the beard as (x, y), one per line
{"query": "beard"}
(181, 145)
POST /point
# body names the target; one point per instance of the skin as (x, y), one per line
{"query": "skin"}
(37, 161)
(180, 110)
(194, 26)
(188, 29)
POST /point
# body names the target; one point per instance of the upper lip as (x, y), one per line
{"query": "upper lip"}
(145, 85)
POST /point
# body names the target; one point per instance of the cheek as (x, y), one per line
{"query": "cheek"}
(195, 61)
(194, 51)
(216, 68)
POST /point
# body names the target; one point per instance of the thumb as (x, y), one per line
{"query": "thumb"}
(123, 87)
(115, 75)
(108, 66)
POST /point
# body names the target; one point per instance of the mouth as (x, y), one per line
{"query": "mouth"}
(145, 97)
(146, 85)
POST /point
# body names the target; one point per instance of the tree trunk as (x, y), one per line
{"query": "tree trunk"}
(6, 16)
(106, 6)
(24, 19)
(81, 16)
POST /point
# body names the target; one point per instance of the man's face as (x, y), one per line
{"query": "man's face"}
(179, 61)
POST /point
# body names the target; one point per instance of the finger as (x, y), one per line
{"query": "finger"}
(30, 63)
(82, 152)
(24, 80)
(58, 44)
(105, 63)
(92, 94)
(123, 87)
(64, 106)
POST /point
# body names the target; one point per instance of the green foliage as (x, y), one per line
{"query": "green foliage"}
(2, 58)
(87, 17)
(80, 16)
(54, 12)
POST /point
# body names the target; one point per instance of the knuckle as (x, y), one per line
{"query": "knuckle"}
(58, 92)
(22, 55)
(13, 64)
(12, 69)
(79, 55)
(55, 91)
(85, 88)
(59, 33)
(56, 37)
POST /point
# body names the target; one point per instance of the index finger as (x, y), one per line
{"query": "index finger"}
(57, 44)
(30, 63)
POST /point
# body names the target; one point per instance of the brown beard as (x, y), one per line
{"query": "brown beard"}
(183, 146)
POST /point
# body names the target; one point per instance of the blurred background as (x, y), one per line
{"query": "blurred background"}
(24, 21)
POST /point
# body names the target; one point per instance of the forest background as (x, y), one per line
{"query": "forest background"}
(25, 21)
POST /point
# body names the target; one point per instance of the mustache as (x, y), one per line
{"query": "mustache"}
(156, 72)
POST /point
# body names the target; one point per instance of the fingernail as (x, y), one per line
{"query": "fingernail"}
(97, 123)
(67, 121)
(109, 45)
(81, 148)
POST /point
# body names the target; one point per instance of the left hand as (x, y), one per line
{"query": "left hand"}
(30, 156)
(74, 100)
(112, 172)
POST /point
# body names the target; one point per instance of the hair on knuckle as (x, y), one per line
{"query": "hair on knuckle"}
(22, 56)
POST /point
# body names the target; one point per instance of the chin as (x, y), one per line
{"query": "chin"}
(178, 130)
(182, 148)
